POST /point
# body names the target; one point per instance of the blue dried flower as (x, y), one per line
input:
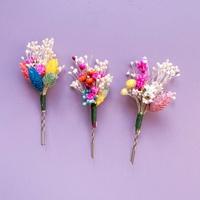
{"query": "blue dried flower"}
(35, 78)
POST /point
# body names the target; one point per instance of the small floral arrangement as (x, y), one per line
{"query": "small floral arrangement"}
(92, 83)
(41, 69)
(149, 91)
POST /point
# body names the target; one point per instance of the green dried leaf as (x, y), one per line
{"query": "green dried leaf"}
(49, 79)
(105, 91)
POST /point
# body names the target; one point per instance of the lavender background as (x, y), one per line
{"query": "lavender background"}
(167, 163)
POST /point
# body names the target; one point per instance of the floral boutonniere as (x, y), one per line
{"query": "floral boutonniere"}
(93, 84)
(148, 91)
(41, 69)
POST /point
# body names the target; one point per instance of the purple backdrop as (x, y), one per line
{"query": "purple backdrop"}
(167, 164)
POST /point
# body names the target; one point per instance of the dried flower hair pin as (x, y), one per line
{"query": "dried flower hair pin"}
(148, 91)
(93, 84)
(41, 70)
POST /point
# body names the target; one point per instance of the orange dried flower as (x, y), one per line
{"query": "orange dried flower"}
(89, 80)
(90, 72)
(82, 78)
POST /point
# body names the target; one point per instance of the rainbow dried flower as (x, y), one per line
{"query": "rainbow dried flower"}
(93, 84)
(52, 66)
(161, 101)
(148, 92)
(124, 91)
(140, 81)
(49, 79)
(94, 89)
(100, 99)
(95, 76)
(102, 74)
(31, 60)
(90, 96)
(82, 66)
(24, 71)
(130, 84)
(142, 66)
(35, 79)
(41, 69)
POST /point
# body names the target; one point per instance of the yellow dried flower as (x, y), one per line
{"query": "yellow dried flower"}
(124, 91)
(100, 99)
(52, 66)
(130, 84)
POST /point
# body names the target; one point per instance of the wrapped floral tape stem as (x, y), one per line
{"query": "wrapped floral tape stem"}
(41, 69)
(94, 115)
(138, 122)
(94, 123)
(148, 91)
(93, 84)
(43, 102)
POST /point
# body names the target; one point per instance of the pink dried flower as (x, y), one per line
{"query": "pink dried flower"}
(140, 81)
(142, 66)
(40, 69)
(95, 76)
(94, 89)
(81, 74)
(161, 102)
(90, 96)
(102, 74)
(82, 66)
(31, 60)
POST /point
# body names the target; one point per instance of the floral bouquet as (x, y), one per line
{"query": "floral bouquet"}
(41, 70)
(93, 84)
(149, 91)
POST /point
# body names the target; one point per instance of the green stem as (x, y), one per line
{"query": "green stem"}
(43, 102)
(138, 122)
(94, 115)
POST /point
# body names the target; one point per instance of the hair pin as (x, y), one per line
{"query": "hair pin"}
(41, 69)
(148, 91)
(93, 84)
